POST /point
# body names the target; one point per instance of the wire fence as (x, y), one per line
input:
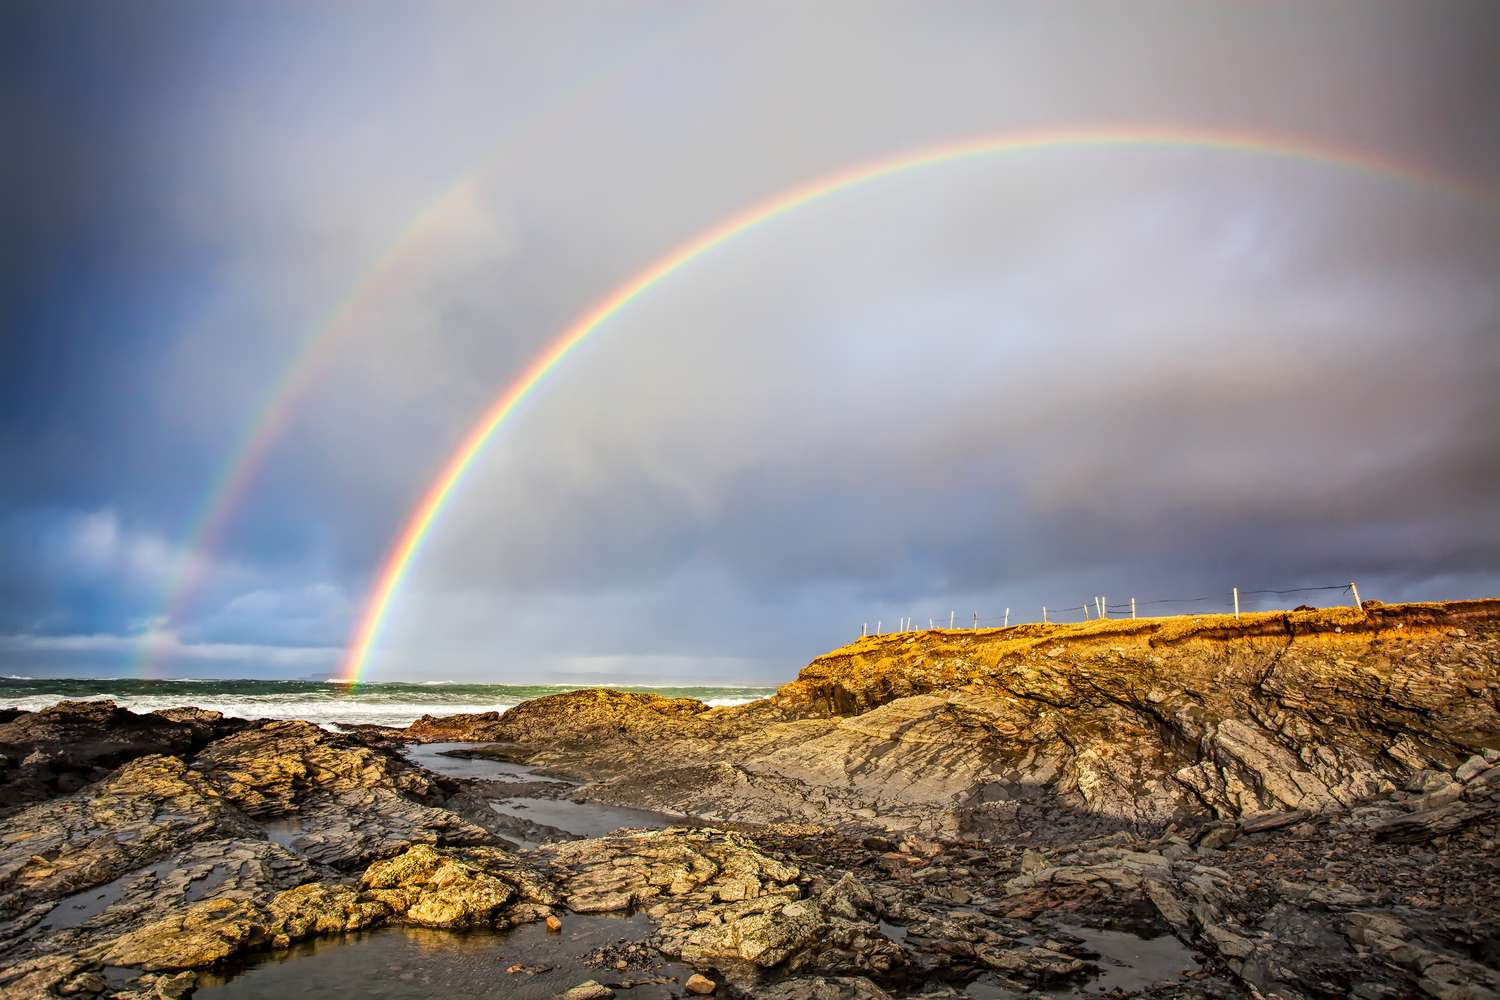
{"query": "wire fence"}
(1234, 601)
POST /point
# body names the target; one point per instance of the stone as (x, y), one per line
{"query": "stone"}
(700, 984)
(1471, 768)
(554, 925)
(589, 990)
(63, 747)
(823, 988)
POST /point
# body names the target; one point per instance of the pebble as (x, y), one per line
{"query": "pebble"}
(700, 984)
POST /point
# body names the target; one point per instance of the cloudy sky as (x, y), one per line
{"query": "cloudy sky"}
(1000, 382)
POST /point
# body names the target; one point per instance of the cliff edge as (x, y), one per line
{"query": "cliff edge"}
(1138, 723)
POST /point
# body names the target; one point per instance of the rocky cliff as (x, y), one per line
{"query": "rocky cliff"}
(1137, 723)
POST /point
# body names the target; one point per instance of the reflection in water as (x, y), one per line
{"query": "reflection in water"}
(1126, 962)
(433, 756)
(1129, 962)
(587, 819)
(70, 911)
(409, 963)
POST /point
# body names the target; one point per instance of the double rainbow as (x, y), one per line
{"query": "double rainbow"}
(399, 558)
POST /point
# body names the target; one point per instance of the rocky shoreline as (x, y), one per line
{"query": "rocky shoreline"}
(1297, 804)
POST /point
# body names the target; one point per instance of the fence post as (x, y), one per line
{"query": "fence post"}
(877, 626)
(1132, 609)
(864, 630)
(950, 618)
(1007, 619)
(1357, 602)
(1236, 604)
(1103, 605)
(1044, 614)
(1085, 610)
(976, 621)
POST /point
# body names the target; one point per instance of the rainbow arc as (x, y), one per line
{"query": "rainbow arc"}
(399, 558)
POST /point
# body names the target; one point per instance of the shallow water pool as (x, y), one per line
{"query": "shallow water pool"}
(413, 964)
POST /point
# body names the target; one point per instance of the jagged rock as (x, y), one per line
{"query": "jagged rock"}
(150, 807)
(421, 886)
(473, 727)
(824, 988)
(625, 871)
(63, 747)
(347, 803)
(1139, 723)
(581, 714)
(206, 934)
(438, 890)
(715, 897)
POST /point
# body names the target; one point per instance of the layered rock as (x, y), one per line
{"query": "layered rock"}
(421, 886)
(65, 746)
(719, 900)
(168, 864)
(331, 799)
(1136, 723)
(1310, 801)
(149, 808)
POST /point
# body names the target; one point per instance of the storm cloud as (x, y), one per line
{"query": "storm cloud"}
(1000, 382)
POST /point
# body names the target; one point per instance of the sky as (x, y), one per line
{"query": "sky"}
(1001, 382)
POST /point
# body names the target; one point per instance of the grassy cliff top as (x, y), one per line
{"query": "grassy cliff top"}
(1374, 616)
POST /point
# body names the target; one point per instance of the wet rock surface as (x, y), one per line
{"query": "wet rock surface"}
(1283, 807)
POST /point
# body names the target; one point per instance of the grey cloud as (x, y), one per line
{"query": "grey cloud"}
(978, 383)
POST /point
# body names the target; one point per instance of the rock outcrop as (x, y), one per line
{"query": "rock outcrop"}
(719, 900)
(1123, 723)
(65, 746)
(170, 864)
(1296, 805)
(332, 800)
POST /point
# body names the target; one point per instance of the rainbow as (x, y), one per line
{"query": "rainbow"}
(400, 556)
(275, 406)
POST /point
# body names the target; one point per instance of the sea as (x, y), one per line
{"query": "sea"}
(329, 704)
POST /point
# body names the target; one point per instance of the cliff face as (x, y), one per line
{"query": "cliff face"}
(1136, 722)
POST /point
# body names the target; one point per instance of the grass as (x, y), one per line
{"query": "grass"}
(1175, 628)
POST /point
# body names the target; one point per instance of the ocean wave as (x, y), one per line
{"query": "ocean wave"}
(322, 703)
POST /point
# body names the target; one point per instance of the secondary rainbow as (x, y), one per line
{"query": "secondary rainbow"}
(276, 405)
(400, 556)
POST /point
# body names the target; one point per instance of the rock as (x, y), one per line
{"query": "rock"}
(950, 733)
(1273, 821)
(352, 803)
(700, 984)
(1218, 836)
(554, 925)
(823, 988)
(587, 991)
(65, 746)
(443, 889)
(176, 987)
(912, 810)
(1471, 768)
(582, 715)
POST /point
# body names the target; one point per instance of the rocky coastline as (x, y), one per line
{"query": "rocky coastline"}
(1290, 804)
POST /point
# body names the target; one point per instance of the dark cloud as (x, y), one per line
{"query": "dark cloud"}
(993, 383)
